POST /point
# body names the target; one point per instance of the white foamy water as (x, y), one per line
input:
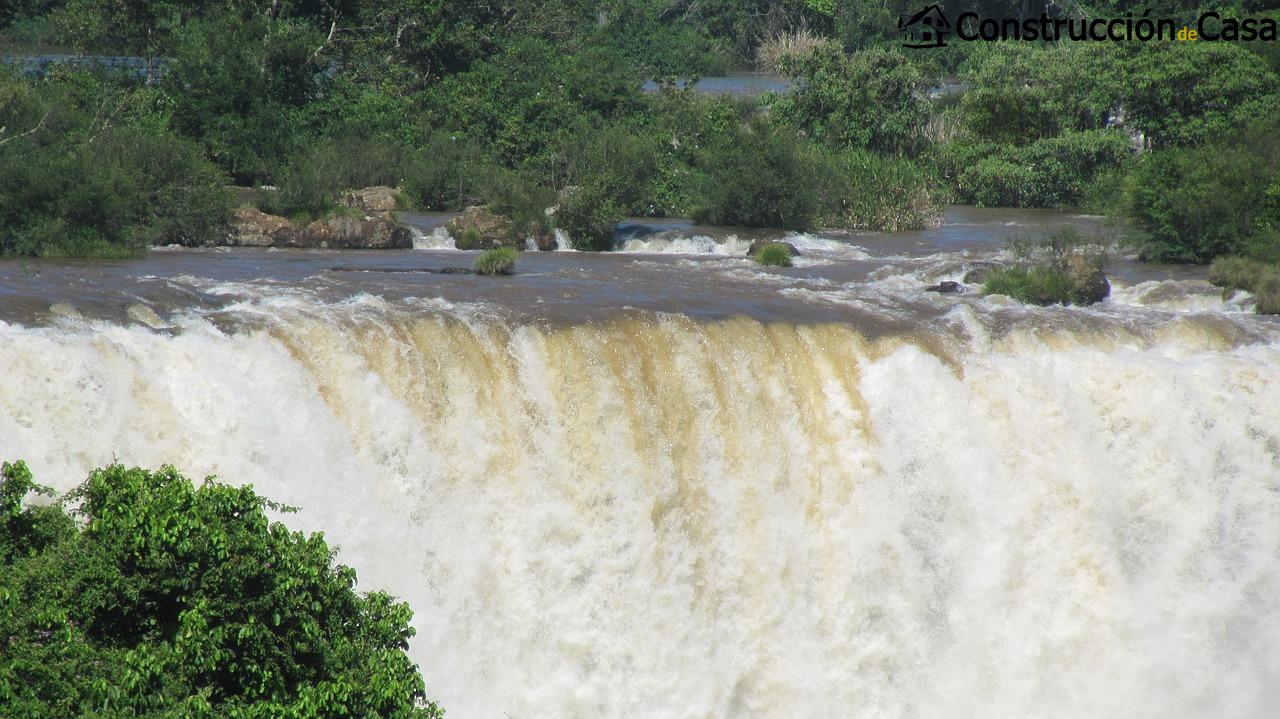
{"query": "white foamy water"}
(669, 518)
(438, 239)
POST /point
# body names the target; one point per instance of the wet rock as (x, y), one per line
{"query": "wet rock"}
(353, 233)
(144, 315)
(758, 245)
(1088, 280)
(479, 229)
(946, 287)
(371, 200)
(456, 271)
(251, 227)
(978, 275)
(65, 309)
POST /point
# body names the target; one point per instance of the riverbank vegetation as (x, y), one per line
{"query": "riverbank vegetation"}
(1064, 268)
(529, 107)
(144, 594)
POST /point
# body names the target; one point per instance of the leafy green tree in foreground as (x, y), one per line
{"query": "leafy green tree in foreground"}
(152, 597)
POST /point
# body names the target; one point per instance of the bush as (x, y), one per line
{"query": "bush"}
(1262, 279)
(498, 261)
(874, 99)
(81, 181)
(774, 254)
(863, 190)
(588, 215)
(312, 182)
(1037, 286)
(764, 177)
(1192, 205)
(470, 238)
(142, 594)
(1057, 171)
(1236, 273)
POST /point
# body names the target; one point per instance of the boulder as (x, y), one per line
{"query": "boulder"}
(978, 275)
(354, 233)
(758, 245)
(251, 227)
(371, 200)
(479, 229)
(946, 287)
(1090, 284)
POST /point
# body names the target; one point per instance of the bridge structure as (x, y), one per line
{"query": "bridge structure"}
(148, 69)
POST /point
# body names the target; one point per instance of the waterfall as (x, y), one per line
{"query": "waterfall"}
(660, 516)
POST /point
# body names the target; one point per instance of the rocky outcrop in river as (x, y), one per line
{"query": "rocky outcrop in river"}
(375, 229)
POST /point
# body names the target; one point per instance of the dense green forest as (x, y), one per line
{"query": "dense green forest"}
(526, 105)
(144, 594)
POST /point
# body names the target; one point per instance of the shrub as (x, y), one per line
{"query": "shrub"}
(152, 596)
(588, 215)
(1036, 285)
(1267, 294)
(874, 99)
(1262, 279)
(1192, 205)
(764, 177)
(863, 190)
(774, 254)
(1236, 273)
(470, 238)
(773, 52)
(73, 183)
(498, 261)
(312, 181)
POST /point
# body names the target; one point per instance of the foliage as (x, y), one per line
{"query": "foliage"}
(864, 190)
(873, 99)
(1063, 267)
(498, 261)
(142, 594)
(90, 170)
(1260, 278)
(238, 87)
(1195, 204)
(1056, 171)
(764, 177)
(313, 180)
(1196, 92)
(1036, 285)
(774, 254)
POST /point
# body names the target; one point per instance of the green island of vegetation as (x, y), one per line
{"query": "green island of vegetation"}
(142, 594)
(524, 107)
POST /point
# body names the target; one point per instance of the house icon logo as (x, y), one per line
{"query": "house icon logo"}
(927, 28)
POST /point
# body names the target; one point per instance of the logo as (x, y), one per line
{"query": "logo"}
(926, 29)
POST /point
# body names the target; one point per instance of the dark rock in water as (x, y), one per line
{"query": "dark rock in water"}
(1089, 282)
(456, 271)
(947, 287)
(758, 245)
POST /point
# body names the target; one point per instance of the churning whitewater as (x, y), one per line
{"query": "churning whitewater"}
(661, 516)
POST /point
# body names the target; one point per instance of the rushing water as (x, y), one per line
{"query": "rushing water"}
(680, 485)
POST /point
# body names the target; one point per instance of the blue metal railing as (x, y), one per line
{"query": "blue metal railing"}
(147, 69)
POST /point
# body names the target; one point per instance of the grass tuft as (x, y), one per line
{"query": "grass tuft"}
(774, 254)
(499, 261)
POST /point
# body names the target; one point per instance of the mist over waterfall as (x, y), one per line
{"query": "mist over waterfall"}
(656, 515)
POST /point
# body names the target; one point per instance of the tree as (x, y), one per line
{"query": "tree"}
(873, 99)
(142, 594)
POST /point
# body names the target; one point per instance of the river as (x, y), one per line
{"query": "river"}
(667, 482)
